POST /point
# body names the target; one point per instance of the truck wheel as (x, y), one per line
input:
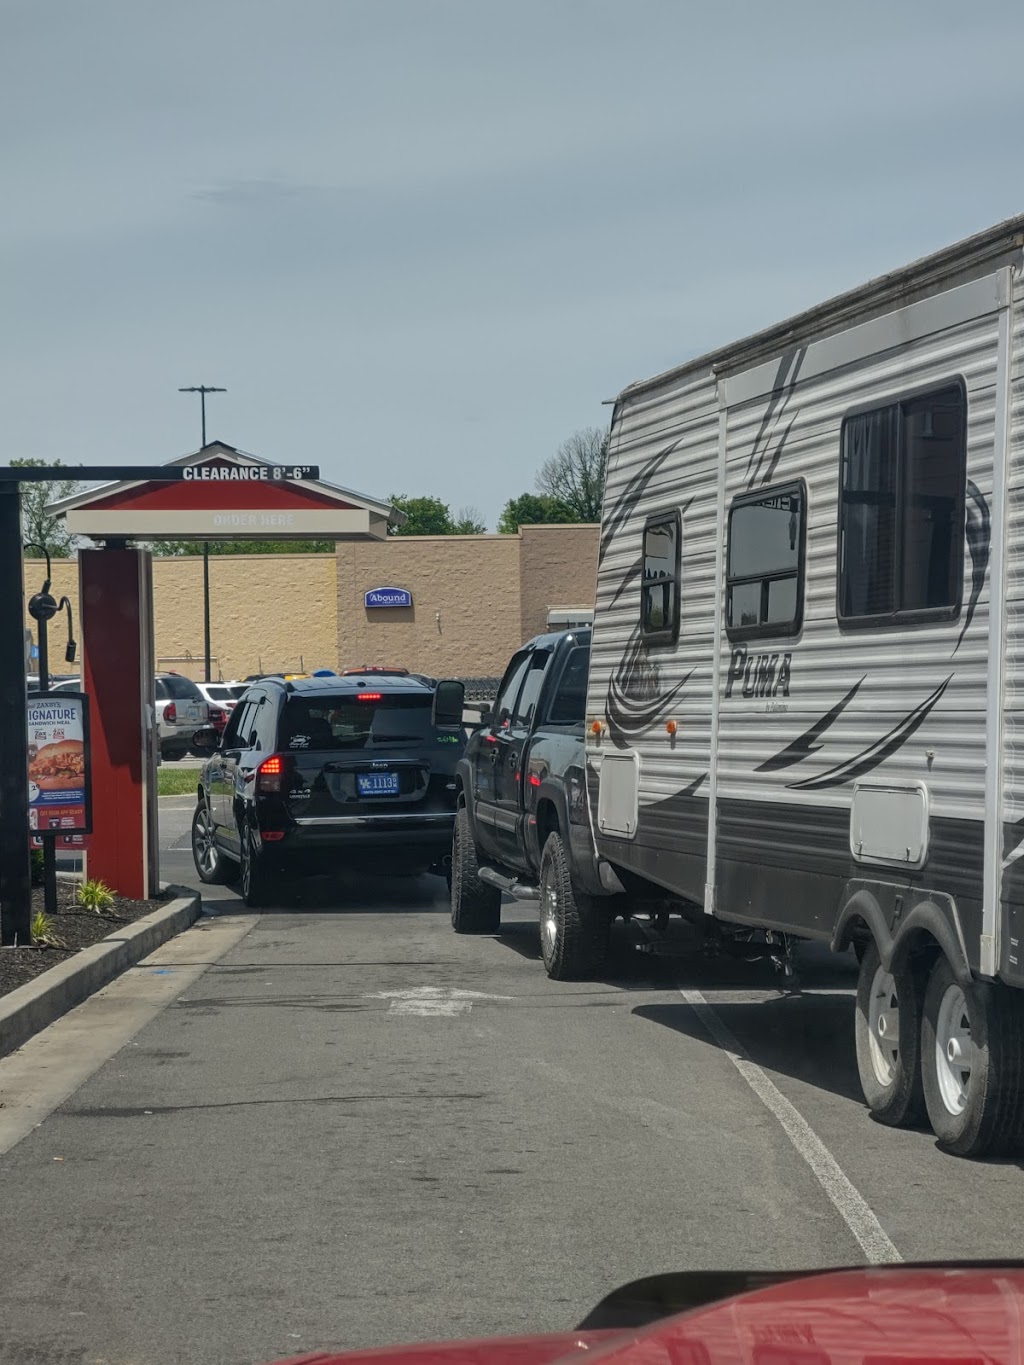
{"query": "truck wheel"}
(211, 865)
(972, 1063)
(575, 928)
(476, 907)
(257, 881)
(887, 1026)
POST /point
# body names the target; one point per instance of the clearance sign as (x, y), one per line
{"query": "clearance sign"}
(205, 473)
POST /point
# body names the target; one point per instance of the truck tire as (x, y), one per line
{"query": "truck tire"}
(258, 883)
(476, 907)
(575, 929)
(972, 1064)
(212, 866)
(887, 1027)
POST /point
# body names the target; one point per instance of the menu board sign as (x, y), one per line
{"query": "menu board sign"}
(59, 788)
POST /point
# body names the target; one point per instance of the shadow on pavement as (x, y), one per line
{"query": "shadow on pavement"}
(352, 893)
(808, 1037)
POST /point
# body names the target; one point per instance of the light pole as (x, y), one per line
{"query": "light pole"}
(202, 390)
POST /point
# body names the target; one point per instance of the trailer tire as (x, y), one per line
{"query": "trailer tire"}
(972, 1063)
(575, 929)
(888, 1057)
(476, 907)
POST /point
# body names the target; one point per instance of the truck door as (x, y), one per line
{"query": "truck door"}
(513, 741)
(485, 764)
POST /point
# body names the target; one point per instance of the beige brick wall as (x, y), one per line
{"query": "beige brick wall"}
(286, 612)
(557, 568)
(267, 612)
(471, 581)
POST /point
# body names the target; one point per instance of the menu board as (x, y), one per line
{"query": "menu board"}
(59, 789)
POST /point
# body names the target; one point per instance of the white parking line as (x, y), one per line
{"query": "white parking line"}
(846, 1199)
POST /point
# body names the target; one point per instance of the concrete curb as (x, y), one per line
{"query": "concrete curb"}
(38, 1003)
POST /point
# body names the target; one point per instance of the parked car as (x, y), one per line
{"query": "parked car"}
(522, 826)
(181, 710)
(222, 694)
(381, 670)
(321, 773)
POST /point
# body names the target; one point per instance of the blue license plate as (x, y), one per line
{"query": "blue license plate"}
(377, 784)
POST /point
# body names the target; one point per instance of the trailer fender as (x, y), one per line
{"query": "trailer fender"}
(932, 917)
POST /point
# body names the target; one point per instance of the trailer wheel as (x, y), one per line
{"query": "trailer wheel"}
(887, 1026)
(972, 1055)
(575, 928)
(476, 907)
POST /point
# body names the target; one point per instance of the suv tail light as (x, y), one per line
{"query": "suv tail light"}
(171, 713)
(270, 774)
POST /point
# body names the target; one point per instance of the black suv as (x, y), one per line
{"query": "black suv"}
(319, 773)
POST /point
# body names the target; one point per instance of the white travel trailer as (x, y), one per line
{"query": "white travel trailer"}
(806, 700)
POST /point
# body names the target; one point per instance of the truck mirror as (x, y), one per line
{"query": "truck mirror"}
(449, 703)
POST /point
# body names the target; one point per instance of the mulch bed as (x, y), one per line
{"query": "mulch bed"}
(75, 926)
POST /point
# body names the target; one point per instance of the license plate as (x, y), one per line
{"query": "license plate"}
(377, 784)
(193, 710)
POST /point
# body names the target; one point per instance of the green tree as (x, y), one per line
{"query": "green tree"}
(426, 516)
(37, 524)
(244, 547)
(532, 509)
(575, 473)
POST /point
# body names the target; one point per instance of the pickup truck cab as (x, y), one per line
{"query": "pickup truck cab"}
(522, 824)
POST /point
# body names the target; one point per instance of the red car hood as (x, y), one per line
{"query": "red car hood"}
(880, 1316)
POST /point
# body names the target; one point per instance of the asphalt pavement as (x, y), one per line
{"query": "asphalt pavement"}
(345, 1126)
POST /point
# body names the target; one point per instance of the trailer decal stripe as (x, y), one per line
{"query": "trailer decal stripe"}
(882, 748)
(805, 744)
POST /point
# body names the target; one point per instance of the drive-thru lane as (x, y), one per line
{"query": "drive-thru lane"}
(354, 1127)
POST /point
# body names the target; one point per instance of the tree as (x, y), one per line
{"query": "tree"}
(38, 525)
(575, 473)
(426, 516)
(179, 548)
(468, 522)
(531, 509)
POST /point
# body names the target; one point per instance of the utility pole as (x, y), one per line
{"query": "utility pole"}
(202, 390)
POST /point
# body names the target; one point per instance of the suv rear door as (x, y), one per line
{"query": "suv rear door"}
(357, 754)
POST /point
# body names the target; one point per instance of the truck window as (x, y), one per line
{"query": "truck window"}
(901, 509)
(659, 591)
(569, 704)
(764, 593)
(510, 685)
(527, 704)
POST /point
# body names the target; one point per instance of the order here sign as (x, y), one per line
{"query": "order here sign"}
(59, 786)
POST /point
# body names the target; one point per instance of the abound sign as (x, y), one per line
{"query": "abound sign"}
(387, 597)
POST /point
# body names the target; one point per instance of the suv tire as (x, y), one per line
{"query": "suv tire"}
(257, 881)
(575, 929)
(476, 907)
(212, 866)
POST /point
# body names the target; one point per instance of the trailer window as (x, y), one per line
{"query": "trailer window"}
(901, 517)
(764, 592)
(659, 593)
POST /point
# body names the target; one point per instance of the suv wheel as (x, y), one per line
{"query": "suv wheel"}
(256, 878)
(575, 929)
(476, 907)
(211, 865)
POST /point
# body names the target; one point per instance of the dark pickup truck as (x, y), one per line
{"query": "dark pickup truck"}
(522, 825)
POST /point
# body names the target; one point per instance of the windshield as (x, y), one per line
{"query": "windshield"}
(343, 722)
(180, 689)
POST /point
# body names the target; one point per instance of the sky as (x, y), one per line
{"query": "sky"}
(421, 242)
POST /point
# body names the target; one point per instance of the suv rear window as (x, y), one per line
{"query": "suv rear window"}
(344, 722)
(216, 693)
(179, 689)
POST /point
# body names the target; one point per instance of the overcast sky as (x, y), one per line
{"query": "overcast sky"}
(420, 241)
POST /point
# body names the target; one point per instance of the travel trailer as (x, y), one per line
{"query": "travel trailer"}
(806, 702)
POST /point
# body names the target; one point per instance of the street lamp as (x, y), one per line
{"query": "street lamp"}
(202, 390)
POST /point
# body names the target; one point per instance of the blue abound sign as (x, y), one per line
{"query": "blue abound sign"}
(387, 597)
